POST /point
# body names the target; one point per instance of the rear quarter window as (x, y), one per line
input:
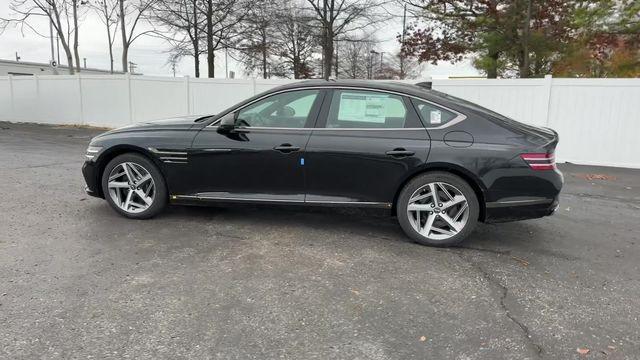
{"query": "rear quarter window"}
(433, 115)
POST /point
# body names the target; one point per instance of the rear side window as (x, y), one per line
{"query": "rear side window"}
(433, 115)
(368, 109)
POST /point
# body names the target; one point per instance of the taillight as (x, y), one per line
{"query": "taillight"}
(540, 161)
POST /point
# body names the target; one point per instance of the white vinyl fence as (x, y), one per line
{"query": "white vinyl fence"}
(598, 119)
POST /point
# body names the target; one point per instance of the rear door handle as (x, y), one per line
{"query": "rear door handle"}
(286, 148)
(400, 152)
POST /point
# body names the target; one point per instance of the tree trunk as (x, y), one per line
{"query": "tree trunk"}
(196, 40)
(125, 44)
(210, 53)
(74, 3)
(110, 42)
(492, 70)
(67, 51)
(525, 70)
(263, 47)
(63, 39)
(328, 53)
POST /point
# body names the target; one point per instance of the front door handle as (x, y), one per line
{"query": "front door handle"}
(400, 152)
(286, 148)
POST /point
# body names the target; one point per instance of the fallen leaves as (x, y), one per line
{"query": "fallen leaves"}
(522, 261)
(583, 351)
(591, 177)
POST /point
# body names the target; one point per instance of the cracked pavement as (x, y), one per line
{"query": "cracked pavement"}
(256, 282)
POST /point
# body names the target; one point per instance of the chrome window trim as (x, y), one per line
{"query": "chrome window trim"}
(461, 117)
(213, 127)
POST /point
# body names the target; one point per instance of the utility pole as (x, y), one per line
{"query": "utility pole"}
(404, 32)
(226, 62)
(58, 48)
(371, 53)
(84, 60)
(51, 37)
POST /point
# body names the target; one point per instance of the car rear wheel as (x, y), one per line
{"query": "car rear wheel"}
(134, 186)
(438, 209)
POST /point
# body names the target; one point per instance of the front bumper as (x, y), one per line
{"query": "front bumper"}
(90, 174)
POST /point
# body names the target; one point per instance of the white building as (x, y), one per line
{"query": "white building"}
(10, 67)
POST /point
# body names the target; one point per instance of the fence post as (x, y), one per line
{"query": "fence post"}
(82, 122)
(128, 77)
(548, 79)
(188, 91)
(13, 106)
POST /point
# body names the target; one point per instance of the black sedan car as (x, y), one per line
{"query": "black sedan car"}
(439, 163)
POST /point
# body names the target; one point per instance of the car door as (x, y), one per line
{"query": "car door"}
(260, 160)
(365, 144)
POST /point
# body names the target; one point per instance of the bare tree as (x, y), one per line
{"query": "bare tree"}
(355, 58)
(221, 26)
(399, 67)
(131, 13)
(182, 20)
(259, 29)
(295, 42)
(63, 16)
(336, 18)
(107, 12)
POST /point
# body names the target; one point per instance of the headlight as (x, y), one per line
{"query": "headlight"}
(92, 151)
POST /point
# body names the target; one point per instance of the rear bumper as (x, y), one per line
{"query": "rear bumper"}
(520, 209)
(89, 172)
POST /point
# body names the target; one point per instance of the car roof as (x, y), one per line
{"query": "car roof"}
(386, 85)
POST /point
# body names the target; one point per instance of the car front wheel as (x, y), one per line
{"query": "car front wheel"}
(438, 209)
(134, 186)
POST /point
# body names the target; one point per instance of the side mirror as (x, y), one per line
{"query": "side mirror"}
(227, 123)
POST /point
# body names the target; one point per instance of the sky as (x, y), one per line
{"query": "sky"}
(150, 54)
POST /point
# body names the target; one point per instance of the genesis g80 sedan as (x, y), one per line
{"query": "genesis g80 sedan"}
(439, 163)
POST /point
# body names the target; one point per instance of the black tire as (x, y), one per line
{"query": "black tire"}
(160, 199)
(420, 181)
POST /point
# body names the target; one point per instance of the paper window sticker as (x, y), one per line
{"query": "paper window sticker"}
(436, 117)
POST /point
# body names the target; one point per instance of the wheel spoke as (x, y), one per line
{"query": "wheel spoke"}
(442, 231)
(461, 211)
(419, 207)
(445, 191)
(426, 230)
(127, 202)
(454, 201)
(115, 176)
(128, 173)
(118, 184)
(434, 193)
(419, 197)
(136, 174)
(144, 179)
(144, 197)
(454, 226)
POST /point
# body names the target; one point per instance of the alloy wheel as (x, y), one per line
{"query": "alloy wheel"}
(131, 187)
(438, 210)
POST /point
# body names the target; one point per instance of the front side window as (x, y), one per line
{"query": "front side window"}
(367, 109)
(288, 110)
(432, 115)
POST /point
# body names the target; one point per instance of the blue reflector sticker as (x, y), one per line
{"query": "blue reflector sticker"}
(301, 161)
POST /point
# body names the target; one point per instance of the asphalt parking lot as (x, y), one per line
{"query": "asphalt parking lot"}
(79, 281)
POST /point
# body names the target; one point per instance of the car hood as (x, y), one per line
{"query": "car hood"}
(177, 123)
